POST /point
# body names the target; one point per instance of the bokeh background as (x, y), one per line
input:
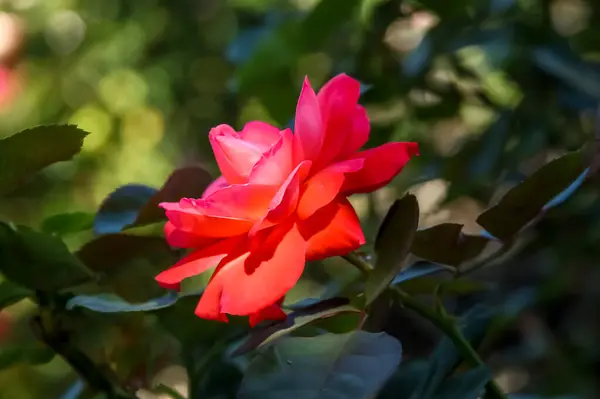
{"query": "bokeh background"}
(490, 89)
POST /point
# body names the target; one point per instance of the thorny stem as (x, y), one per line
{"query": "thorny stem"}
(443, 323)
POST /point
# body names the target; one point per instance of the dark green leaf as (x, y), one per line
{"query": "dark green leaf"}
(467, 385)
(11, 293)
(68, 223)
(446, 244)
(420, 269)
(261, 336)
(523, 203)
(446, 357)
(407, 382)
(35, 353)
(43, 146)
(331, 366)
(460, 286)
(38, 261)
(121, 208)
(188, 182)
(392, 245)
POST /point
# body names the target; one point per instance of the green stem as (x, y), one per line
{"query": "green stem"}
(443, 323)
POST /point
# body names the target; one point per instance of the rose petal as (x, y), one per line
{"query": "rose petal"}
(276, 164)
(235, 156)
(382, 164)
(256, 279)
(332, 231)
(196, 263)
(273, 312)
(185, 239)
(324, 186)
(308, 126)
(338, 100)
(285, 200)
(261, 134)
(192, 216)
(218, 183)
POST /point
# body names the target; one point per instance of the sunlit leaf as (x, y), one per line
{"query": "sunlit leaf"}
(108, 303)
(43, 146)
(393, 244)
(330, 366)
(68, 223)
(417, 270)
(524, 202)
(38, 261)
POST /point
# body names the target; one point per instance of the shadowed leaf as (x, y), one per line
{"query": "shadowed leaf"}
(330, 366)
(393, 244)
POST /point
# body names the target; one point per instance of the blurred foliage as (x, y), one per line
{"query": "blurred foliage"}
(491, 89)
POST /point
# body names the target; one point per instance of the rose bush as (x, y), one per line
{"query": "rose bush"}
(281, 201)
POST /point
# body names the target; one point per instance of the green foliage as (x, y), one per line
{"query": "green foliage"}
(352, 365)
(393, 244)
(39, 261)
(31, 150)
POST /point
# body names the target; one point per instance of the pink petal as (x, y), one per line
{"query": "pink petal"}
(382, 164)
(194, 216)
(218, 183)
(261, 134)
(196, 263)
(235, 156)
(285, 200)
(332, 231)
(324, 186)
(338, 100)
(276, 164)
(185, 239)
(255, 280)
(308, 127)
(243, 201)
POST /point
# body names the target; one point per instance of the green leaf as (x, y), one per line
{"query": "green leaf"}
(446, 357)
(68, 223)
(330, 366)
(188, 182)
(39, 261)
(325, 18)
(523, 203)
(407, 382)
(109, 303)
(11, 293)
(31, 150)
(467, 385)
(393, 244)
(35, 353)
(261, 336)
(446, 244)
(121, 208)
(123, 258)
(459, 286)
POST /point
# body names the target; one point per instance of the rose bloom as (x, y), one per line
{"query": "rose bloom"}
(280, 202)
